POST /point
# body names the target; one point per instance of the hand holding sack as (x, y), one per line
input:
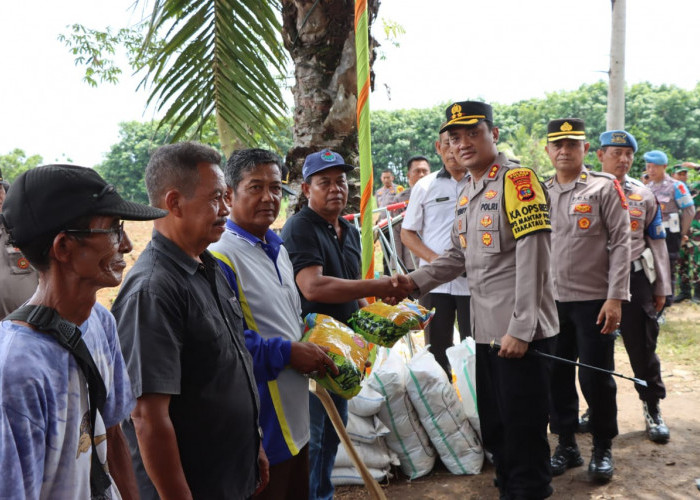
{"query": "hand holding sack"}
(383, 324)
(348, 350)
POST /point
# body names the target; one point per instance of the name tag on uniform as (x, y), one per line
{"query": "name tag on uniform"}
(445, 198)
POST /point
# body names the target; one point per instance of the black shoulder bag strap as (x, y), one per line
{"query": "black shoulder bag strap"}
(46, 319)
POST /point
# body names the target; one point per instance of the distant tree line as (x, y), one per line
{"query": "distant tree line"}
(661, 117)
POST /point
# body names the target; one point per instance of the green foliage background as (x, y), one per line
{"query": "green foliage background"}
(661, 117)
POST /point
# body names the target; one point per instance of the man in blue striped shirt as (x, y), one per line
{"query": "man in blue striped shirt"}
(258, 268)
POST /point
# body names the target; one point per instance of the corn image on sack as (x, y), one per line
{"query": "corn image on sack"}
(384, 324)
(348, 350)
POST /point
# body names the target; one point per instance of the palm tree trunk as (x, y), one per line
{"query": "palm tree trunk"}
(320, 37)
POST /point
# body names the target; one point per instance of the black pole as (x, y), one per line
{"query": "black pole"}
(535, 352)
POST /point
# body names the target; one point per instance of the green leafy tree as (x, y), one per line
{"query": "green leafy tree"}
(16, 162)
(126, 161)
(399, 135)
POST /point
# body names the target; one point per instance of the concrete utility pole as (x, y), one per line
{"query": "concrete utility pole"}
(616, 85)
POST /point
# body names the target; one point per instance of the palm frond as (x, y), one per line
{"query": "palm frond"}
(218, 56)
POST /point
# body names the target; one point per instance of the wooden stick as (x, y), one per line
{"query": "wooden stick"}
(375, 491)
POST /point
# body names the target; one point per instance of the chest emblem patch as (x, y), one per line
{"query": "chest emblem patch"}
(490, 194)
(584, 223)
(486, 220)
(462, 241)
(634, 225)
(487, 239)
(635, 197)
(583, 208)
(463, 201)
(635, 212)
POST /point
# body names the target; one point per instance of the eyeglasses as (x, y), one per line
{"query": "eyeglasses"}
(118, 231)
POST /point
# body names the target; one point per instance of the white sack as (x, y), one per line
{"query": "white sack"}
(366, 403)
(442, 415)
(407, 438)
(462, 358)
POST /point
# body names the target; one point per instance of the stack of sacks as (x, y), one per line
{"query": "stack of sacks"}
(406, 438)
(462, 358)
(442, 415)
(367, 433)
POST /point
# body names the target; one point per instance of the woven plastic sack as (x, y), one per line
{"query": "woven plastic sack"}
(462, 358)
(366, 403)
(407, 438)
(442, 416)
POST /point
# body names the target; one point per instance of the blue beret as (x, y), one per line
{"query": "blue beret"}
(656, 157)
(620, 138)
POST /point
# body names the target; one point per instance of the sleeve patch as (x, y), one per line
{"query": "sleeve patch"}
(618, 188)
(525, 202)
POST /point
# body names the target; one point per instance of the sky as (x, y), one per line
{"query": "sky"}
(496, 50)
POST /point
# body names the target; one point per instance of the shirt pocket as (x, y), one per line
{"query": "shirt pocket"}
(488, 232)
(585, 217)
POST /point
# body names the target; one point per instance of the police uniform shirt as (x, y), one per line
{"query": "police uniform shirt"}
(674, 197)
(590, 238)
(384, 195)
(646, 230)
(18, 279)
(431, 213)
(501, 237)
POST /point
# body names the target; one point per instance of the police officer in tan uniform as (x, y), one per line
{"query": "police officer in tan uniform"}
(591, 268)
(650, 280)
(676, 203)
(501, 237)
(18, 279)
(388, 190)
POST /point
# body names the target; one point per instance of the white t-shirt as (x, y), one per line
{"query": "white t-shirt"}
(431, 213)
(45, 448)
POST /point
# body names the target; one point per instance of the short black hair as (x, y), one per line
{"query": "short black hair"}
(175, 166)
(387, 171)
(414, 159)
(245, 160)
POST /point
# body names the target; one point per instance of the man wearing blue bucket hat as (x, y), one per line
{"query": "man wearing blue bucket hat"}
(649, 277)
(677, 207)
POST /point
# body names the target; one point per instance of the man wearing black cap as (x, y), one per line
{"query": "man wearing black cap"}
(325, 252)
(63, 346)
(501, 238)
(650, 280)
(591, 268)
(18, 277)
(194, 430)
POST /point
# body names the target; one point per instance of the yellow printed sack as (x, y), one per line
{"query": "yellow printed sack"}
(384, 324)
(348, 350)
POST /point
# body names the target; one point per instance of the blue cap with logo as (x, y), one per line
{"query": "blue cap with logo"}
(619, 138)
(656, 157)
(323, 160)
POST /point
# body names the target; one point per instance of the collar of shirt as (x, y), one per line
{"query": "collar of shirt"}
(175, 253)
(443, 173)
(271, 245)
(317, 219)
(630, 182)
